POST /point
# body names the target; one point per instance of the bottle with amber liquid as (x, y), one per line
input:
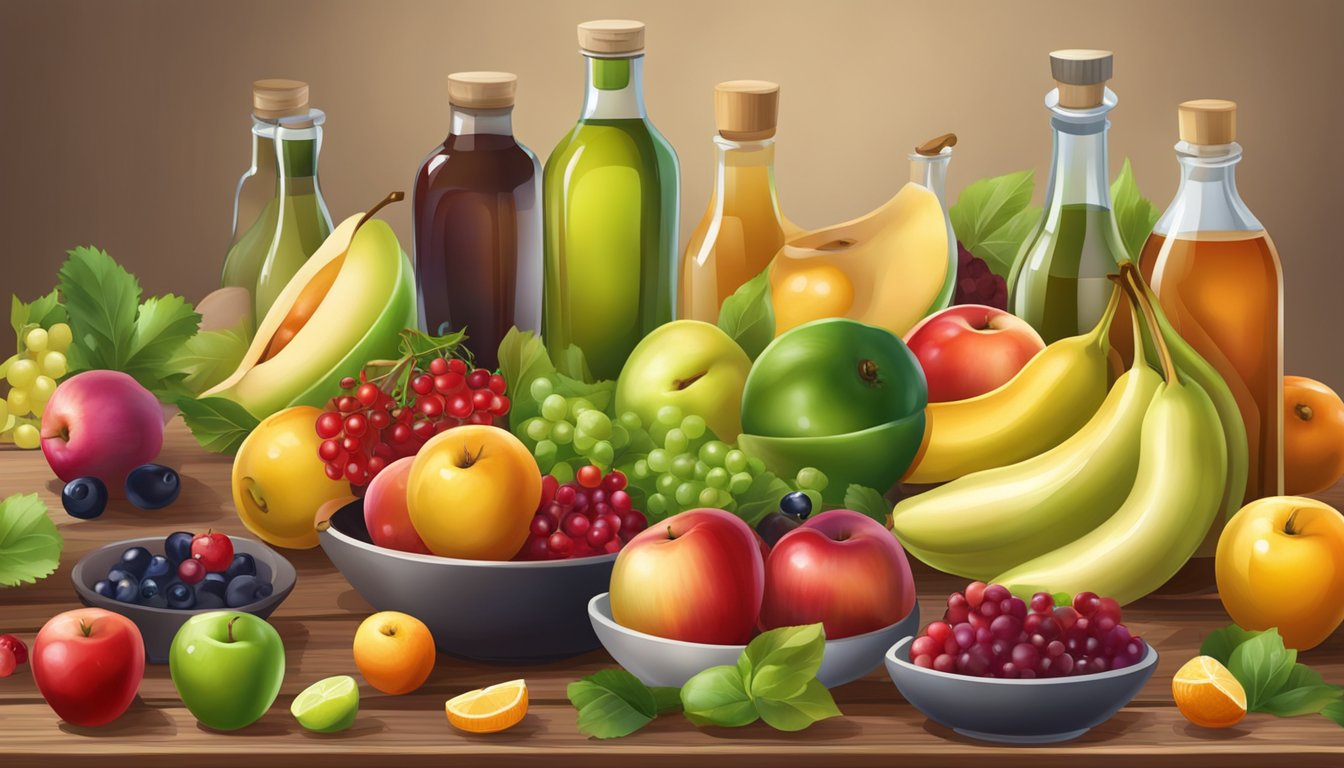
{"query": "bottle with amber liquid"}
(1218, 278)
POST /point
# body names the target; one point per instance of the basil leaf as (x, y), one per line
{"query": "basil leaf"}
(666, 699)
(1135, 214)
(717, 696)
(797, 712)
(612, 703)
(868, 501)
(1304, 700)
(1262, 665)
(30, 545)
(748, 316)
(782, 662)
(1220, 643)
(217, 423)
(1335, 712)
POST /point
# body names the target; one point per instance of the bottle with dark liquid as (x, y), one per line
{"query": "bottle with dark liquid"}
(477, 211)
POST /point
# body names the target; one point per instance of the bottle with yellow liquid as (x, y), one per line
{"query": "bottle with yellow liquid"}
(1218, 278)
(743, 227)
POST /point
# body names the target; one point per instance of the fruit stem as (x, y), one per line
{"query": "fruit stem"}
(1303, 411)
(1288, 526)
(1139, 352)
(1101, 333)
(392, 197)
(231, 623)
(868, 371)
(1131, 273)
(85, 627)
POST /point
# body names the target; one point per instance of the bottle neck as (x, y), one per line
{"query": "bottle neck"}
(744, 171)
(930, 171)
(1207, 199)
(291, 150)
(614, 89)
(1079, 172)
(467, 121)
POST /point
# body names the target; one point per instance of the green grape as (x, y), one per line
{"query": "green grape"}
(541, 388)
(562, 432)
(667, 484)
(620, 436)
(54, 364)
(709, 497)
(537, 429)
(693, 426)
(669, 416)
(676, 441)
(735, 461)
(4, 413)
(545, 453)
(713, 453)
(656, 504)
(688, 493)
(563, 472)
(41, 391)
(22, 373)
(701, 470)
(603, 454)
(36, 341)
(739, 483)
(579, 405)
(684, 467)
(811, 479)
(725, 499)
(755, 466)
(717, 478)
(554, 408)
(584, 443)
(631, 421)
(641, 469)
(659, 461)
(594, 423)
(18, 403)
(27, 437)
(815, 497)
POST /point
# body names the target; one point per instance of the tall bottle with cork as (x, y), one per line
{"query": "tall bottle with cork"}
(743, 227)
(1219, 280)
(477, 208)
(279, 216)
(1058, 281)
(611, 205)
(928, 168)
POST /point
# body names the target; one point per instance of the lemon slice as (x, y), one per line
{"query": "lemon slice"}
(489, 710)
(328, 705)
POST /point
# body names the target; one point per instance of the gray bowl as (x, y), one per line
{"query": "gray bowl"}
(659, 661)
(1017, 711)
(487, 610)
(158, 626)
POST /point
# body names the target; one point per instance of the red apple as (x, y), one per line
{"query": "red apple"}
(696, 577)
(970, 349)
(385, 512)
(87, 664)
(841, 568)
(101, 424)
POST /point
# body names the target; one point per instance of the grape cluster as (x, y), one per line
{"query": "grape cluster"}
(987, 632)
(976, 284)
(32, 375)
(592, 515)
(572, 432)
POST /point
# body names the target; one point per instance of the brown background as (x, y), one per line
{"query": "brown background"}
(126, 124)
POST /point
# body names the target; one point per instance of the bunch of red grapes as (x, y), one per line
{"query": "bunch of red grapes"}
(590, 516)
(987, 632)
(976, 284)
(366, 427)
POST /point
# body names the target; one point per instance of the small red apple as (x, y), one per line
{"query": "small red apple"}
(101, 424)
(213, 549)
(88, 664)
(385, 512)
(841, 568)
(970, 349)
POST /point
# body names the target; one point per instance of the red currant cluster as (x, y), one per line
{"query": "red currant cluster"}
(590, 516)
(367, 427)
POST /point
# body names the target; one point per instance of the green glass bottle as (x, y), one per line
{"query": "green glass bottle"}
(611, 191)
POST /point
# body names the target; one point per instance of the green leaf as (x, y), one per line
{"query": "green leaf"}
(1335, 712)
(1220, 643)
(666, 699)
(993, 217)
(599, 393)
(761, 498)
(748, 316)
(44, 311)
(101, 299)
(217, 423)
(1262, 665)
(30, 545)
(209, 357)
(718, 696)
(797, 712)
(523, 358)
(573, 364)
(1134, 213)
(1305, 700)
(780, 663)
(612, 703)
(162, 326)
(872, 503)
(999, 249)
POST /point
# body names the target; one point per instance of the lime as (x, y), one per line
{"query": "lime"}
(328, 705)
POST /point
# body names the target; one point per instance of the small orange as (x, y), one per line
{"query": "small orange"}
(394, 652)
(1313, 436)
(1207, 694)
(489, 710)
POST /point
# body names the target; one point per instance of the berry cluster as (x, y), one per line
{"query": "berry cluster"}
(976, 284)
(591, 516)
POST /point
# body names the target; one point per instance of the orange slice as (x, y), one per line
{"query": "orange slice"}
(1207, 694)
(489, 710)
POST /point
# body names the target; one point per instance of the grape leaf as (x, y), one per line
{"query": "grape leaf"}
(217, 423)
(748, 315)
(613, 703)
(1262, 665)
(992, 217)
(523, 358)
(209, 357)
(44, 311)
(101, 299)
(718, 696)
(30, 545)
(1220, 643)
(870, 502)
(162, 326)
(1134, 213)
(812, 704)
(573, 364)
(666, 699)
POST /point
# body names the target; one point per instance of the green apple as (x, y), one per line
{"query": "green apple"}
(227, 667)
(689, 364)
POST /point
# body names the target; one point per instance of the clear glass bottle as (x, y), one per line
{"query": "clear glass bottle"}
(279, 216)
(1058, 282)
(477, 212)
(928, 168)
(1218, 277)
(611, 205)
(743, 227)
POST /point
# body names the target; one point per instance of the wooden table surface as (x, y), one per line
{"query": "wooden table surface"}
(318, 621)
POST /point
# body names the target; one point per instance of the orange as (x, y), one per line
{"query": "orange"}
(489, 710)
(1207, 694)
(394, 652)
(1313, 436)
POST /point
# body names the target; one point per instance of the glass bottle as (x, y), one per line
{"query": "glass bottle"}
(742, 228)
(477, 212)
(928, 168)
(1219, 280)
(279, 216)
(1058, 282)
(611, 208)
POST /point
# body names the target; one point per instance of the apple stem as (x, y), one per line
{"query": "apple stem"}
(686, 382)
(231, 623)
(1289, 527)
(85, 627)
(868, 371)
(669, 533)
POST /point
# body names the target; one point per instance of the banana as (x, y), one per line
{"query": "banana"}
(1051, 398)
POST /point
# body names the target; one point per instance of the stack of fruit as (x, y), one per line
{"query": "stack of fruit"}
(196, 572)
(591, 516)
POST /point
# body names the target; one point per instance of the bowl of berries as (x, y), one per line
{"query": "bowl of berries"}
(1003, 669)
(159, 583)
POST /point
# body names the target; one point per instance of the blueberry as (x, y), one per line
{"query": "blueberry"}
(152, 486)
(242, 565)
(796, 505)
(178, 547)
(211, 586)
(774, 525)
(180, 596)
(152, 594)
(128, 590)
(84, 497)
(106, 589)
(208, 601)
(242, 591)
(158, 568)
(119, 573)
(135, 561)
(264, 589)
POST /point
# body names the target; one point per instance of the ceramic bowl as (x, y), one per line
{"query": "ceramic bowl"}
(158, 626)
(486, 610)
(1017, 711)
(658, 661)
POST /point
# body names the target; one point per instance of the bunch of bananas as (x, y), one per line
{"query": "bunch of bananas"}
(1115, 507)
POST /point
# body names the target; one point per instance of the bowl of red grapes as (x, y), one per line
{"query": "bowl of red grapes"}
(1024, 670)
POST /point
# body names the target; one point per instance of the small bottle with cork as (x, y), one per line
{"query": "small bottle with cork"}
(928, 168)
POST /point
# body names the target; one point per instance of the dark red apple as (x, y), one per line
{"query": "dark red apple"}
(101, 424)
(88, 664)
(970, 349)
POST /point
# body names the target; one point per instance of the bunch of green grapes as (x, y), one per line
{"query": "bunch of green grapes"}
(32, 375)
(571, 433)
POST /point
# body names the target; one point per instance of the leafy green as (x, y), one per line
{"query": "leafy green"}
(523, 359)
(748, 316)
(993, 217)
(1335, 712)
(44, 311)
(1262, 665)
(780, 663)
(573, 364)
(1273, 680)
(30, 545)
(761, 498)
(718, 696)
(868, 501)
(614, 703)
(209, 357)
(1303, 700)
(812, 704)
(1220, 643)
(217, 423)
(667, 699)
(1134, 213)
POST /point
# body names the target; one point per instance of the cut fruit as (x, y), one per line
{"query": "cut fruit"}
(328, 705)
(489, 710)
(1207, 693)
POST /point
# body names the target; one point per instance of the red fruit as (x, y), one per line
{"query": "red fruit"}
(367, 394)
(355, 425)
(497, 384)
(328, 425)
(633, 522)
(566, 494)
(549, 485)
(430, 405)
(351, 444)
(379, 420)
(500, 405)
(614, 481)
(213, 549)
(348, 382)
(589, 476)
(1086, 603)
(438, 366)
(478, 379)
(191, 571)
(481, 398)
(542, 526)
(612, 546)
(457, 366)
(347, 404)
(329, 450)
(335, 471)
(1065, 616)
(598, 534)
(449, 383)
(400, 434)
(376, 465)
(423, 429)
(481, 417)
(16, 647)
(560, 544)
(7, 662)
(576, 526)
(975, 593)
(534, 549)
(459, 407)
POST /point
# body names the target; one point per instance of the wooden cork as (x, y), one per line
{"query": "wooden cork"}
(1208, 121)
(935, 146)
(746, 110)
(276, 97)
(1081, 75)
(482, 90)
(611, 37)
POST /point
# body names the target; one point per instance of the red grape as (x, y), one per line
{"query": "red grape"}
(439, 366)
(589, 476)
(560, 544)
(348, 382)
(480, 399)
(975, 592)
(944, 662)
(459, 407)
(542, 526)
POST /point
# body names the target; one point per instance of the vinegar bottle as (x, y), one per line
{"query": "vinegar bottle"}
(478, 221)
(1218, 278)
(928, 168)
(743, 228)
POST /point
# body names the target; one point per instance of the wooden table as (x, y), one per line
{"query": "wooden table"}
(318, 623)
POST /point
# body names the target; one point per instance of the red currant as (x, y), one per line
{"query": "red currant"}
(422, 384)
(430, 405)
(376, 465)
(355, 425)
(449, 383)
(348, 382)
(367, 394)
(497, 384)
(329, 450)
(459, 407)
(379, 420)
(438, 366)
(335, 471)
(328, 425)
(423, 429)
(480, 399)
(589, 476)
(400, 433)
(347, 404)
(350, 444)
(478, 379)
(499, 405)
(457, 366)
(481, 417)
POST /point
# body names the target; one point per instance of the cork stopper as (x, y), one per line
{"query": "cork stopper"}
(935, 146)
(482, 90)
(275, 98)
(1081, 75)
(612, 37)
(746, 110)
(1208, 121)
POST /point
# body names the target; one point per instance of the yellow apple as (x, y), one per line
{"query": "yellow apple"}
(1280, 563)
(472, 493)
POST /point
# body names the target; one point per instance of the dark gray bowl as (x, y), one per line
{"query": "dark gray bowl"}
(158, 626)
(1017, 711)
(488, 610)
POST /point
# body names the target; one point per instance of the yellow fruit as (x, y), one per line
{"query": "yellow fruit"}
(1207, 694)
(27, 437)
(36, 341)
(279, 482)
(394, 652)
(54, 364)
(59, 337)
(489, 710)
